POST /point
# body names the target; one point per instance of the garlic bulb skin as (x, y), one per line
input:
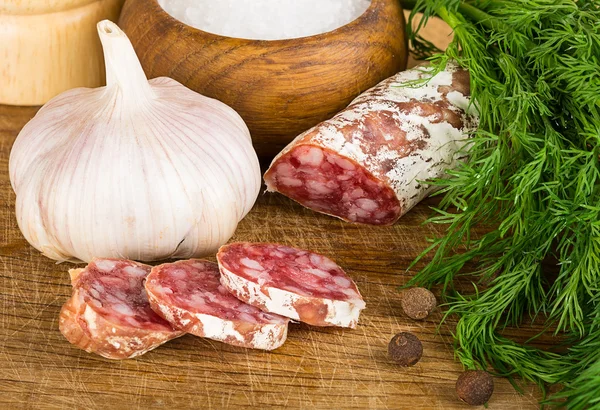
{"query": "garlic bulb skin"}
(143, 170)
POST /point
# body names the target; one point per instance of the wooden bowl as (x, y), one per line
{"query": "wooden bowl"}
(280, 87)
(50, 46)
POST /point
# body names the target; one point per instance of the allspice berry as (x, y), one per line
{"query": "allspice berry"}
(475, 387)
(405, 349)
(418, 303)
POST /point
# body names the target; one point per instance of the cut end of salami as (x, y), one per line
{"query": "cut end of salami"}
(370, 162)
(69, 326)
(190, 296)
(291, 282)
(109, 313)
(330, 183)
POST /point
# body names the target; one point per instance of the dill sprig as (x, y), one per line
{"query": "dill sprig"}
(533, 177)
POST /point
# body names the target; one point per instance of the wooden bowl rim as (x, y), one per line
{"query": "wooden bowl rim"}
(375, 5)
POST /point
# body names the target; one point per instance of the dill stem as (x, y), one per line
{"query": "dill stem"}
(481, 17)
(448, 17)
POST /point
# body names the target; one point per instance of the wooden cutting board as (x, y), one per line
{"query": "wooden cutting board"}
(316, 368)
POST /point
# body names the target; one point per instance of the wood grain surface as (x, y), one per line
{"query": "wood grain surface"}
(280, 88)
(317, 367)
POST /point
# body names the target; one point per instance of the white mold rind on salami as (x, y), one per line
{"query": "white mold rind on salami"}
(284, 303)
(366, 164)
(334, 300)
(188, 294)
(116, 342)
(97, 321)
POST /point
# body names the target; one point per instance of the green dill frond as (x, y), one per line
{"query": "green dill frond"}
(533, 175)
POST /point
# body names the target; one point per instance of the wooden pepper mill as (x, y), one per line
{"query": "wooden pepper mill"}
(50, 46)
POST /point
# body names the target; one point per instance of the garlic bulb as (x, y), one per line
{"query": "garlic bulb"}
(138, 169)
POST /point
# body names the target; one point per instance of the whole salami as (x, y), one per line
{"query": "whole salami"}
(367, 163)
(291, 282)
(109, 313)
(189, 295)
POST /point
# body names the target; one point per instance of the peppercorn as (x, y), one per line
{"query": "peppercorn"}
(475, 387)
(405, 349)
(418, 303)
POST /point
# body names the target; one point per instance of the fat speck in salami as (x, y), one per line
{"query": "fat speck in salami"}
(368, 163)
(190, 296)
(109, 313)
(291, 282)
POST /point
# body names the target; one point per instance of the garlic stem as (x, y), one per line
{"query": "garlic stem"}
(123, 69)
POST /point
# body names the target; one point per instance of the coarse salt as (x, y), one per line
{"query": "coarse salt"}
(266, 19)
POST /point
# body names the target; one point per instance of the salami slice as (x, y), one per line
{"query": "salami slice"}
(366, 164)
(108, 312)
(69, 325)
(291, 282)
(189, 295)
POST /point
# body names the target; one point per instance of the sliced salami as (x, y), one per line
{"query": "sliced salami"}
(367, 163)
(69, 325)
(190, 296)
(109, 313)
(291, 282)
